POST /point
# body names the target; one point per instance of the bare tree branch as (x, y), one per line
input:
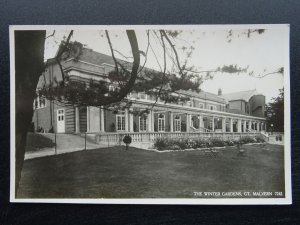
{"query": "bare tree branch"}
(174, 50)
(60, 52)
(112, 51)
(51, 35)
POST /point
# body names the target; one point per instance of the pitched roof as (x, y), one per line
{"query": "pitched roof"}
(88, 55)
(203, 95)
(241, 95)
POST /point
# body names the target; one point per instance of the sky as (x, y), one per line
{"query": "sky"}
(211, 48)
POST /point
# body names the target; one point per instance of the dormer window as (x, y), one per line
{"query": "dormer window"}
(142, 96)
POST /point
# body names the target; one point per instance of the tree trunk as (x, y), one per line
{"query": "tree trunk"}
(29, 65)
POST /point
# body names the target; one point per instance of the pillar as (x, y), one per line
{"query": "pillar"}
(201, 124)
(152, 121)
(126, 120)
(130, 122)
(231, 124)
(149, 119)
(213, 124)
(102, 127)
(223, 124)
(245, 126)
(239, 124)
(77, 123)
(188, 122)
(88, 119)
(250, 126)
(171, 122)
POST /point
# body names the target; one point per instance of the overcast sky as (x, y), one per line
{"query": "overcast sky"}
(212, 48)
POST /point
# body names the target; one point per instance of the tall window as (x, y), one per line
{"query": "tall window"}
(39, 102)
(212, 107)
(161, 122)
(120, 122)
(143, 123)
(177, 124)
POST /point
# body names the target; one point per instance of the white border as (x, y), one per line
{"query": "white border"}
(171, 201)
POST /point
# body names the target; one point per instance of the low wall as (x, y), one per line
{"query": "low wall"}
(147, 139)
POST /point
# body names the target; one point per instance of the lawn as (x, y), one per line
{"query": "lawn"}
(134, 173)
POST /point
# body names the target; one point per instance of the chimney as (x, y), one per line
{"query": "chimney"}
(219, 92)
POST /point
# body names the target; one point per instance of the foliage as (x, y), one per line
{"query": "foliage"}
(188, 143)
(260, 138)
(275, 113)
(247, 139)
(127, 139)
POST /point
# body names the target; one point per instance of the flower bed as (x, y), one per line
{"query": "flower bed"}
(165, 143)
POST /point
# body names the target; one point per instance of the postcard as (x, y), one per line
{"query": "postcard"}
(150, 114)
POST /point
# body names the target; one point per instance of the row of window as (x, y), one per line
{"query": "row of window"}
(188, 103)
(120, 119)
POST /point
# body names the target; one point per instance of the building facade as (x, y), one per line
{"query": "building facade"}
(205, 112)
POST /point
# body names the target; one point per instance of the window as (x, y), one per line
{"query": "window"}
(111, 88)
(177, 124)
(161, 123)
(142, 96)
(39, 102)
(143, 123)
(212, 107)
(60, 115)
(201, 105)
(189, 103)
(120, 122)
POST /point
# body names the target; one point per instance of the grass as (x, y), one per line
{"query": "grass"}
(117, 173)
(36, 141)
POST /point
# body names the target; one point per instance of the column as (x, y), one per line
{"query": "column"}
(200, 117)
(188, 122)
(126, 120)
(250, 126)
(213, 124)
(102, 119)
(149, 119)
(77, 124)
(239, 124)
(171, 122)
(245, 126)
(231, 125)
(88, 119)
(258, 126)
(223, 124)
(152, 121)
(130, 122)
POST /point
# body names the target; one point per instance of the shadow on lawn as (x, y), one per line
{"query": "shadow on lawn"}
(36, 141)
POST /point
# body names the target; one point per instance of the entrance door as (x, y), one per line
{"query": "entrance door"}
(60, 121)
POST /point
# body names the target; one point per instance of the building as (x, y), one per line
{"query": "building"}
(240, 112)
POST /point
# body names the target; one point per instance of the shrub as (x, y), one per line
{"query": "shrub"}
(229, 142)
(182, 143)
(174, 147)
(216, 142)
(247, 139)
(161, 143)
(200, 143)
(260, 138)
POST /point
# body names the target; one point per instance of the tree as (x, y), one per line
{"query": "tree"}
(29, 64)
(29, 55)
(275, 113)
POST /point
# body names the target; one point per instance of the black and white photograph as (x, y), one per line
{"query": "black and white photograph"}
(152, 114)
